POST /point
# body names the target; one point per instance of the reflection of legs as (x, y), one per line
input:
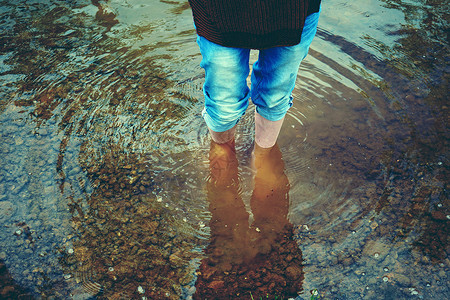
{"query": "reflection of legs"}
(225, 89)
(270, 199)
(229, 225)
(263, 259)
(229, 221)
(275, 245)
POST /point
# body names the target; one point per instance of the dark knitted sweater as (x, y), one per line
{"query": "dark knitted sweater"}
(255, 24)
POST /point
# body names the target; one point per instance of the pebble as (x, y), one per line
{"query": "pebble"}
(7, 210)
(74, 171)
(140, 290)
(191, 290)
(42, 131)
(18, 141)
(402, 279)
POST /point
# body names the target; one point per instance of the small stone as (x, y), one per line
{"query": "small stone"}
(42, 131)
(294, 272)
(413, 291)
(385, 279)
(18, 141)
(216, 284)
(70, 251)
(438, 215)
(74, 171)
(7, 209)
(192, 290)
(140, 290)
(377, 249)
(402, 279)
(374, 225)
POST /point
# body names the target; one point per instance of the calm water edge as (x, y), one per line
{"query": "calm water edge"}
(106, 187)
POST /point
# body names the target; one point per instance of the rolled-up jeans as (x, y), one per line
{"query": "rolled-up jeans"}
(272, 81)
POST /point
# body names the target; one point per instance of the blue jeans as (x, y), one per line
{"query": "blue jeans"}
(272, 80)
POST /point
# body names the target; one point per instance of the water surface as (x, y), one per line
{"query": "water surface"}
(105, 174)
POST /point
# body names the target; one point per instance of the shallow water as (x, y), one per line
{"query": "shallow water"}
(105, 184)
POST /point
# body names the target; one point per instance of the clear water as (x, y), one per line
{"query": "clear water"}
(104, 171)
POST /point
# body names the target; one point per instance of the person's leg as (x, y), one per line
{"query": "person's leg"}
(225, 89)
(266, 131)
(273, 80)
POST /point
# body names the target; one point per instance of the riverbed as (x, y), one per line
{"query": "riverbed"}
(105, 173)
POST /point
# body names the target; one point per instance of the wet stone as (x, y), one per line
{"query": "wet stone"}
(74, 171)
(402, 279)
(294, 272)
(42, 132)
(438, 215)
(7, 209)
(18, 141)
(10, 129)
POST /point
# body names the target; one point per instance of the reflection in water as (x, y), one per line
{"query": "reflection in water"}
(246, 260)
